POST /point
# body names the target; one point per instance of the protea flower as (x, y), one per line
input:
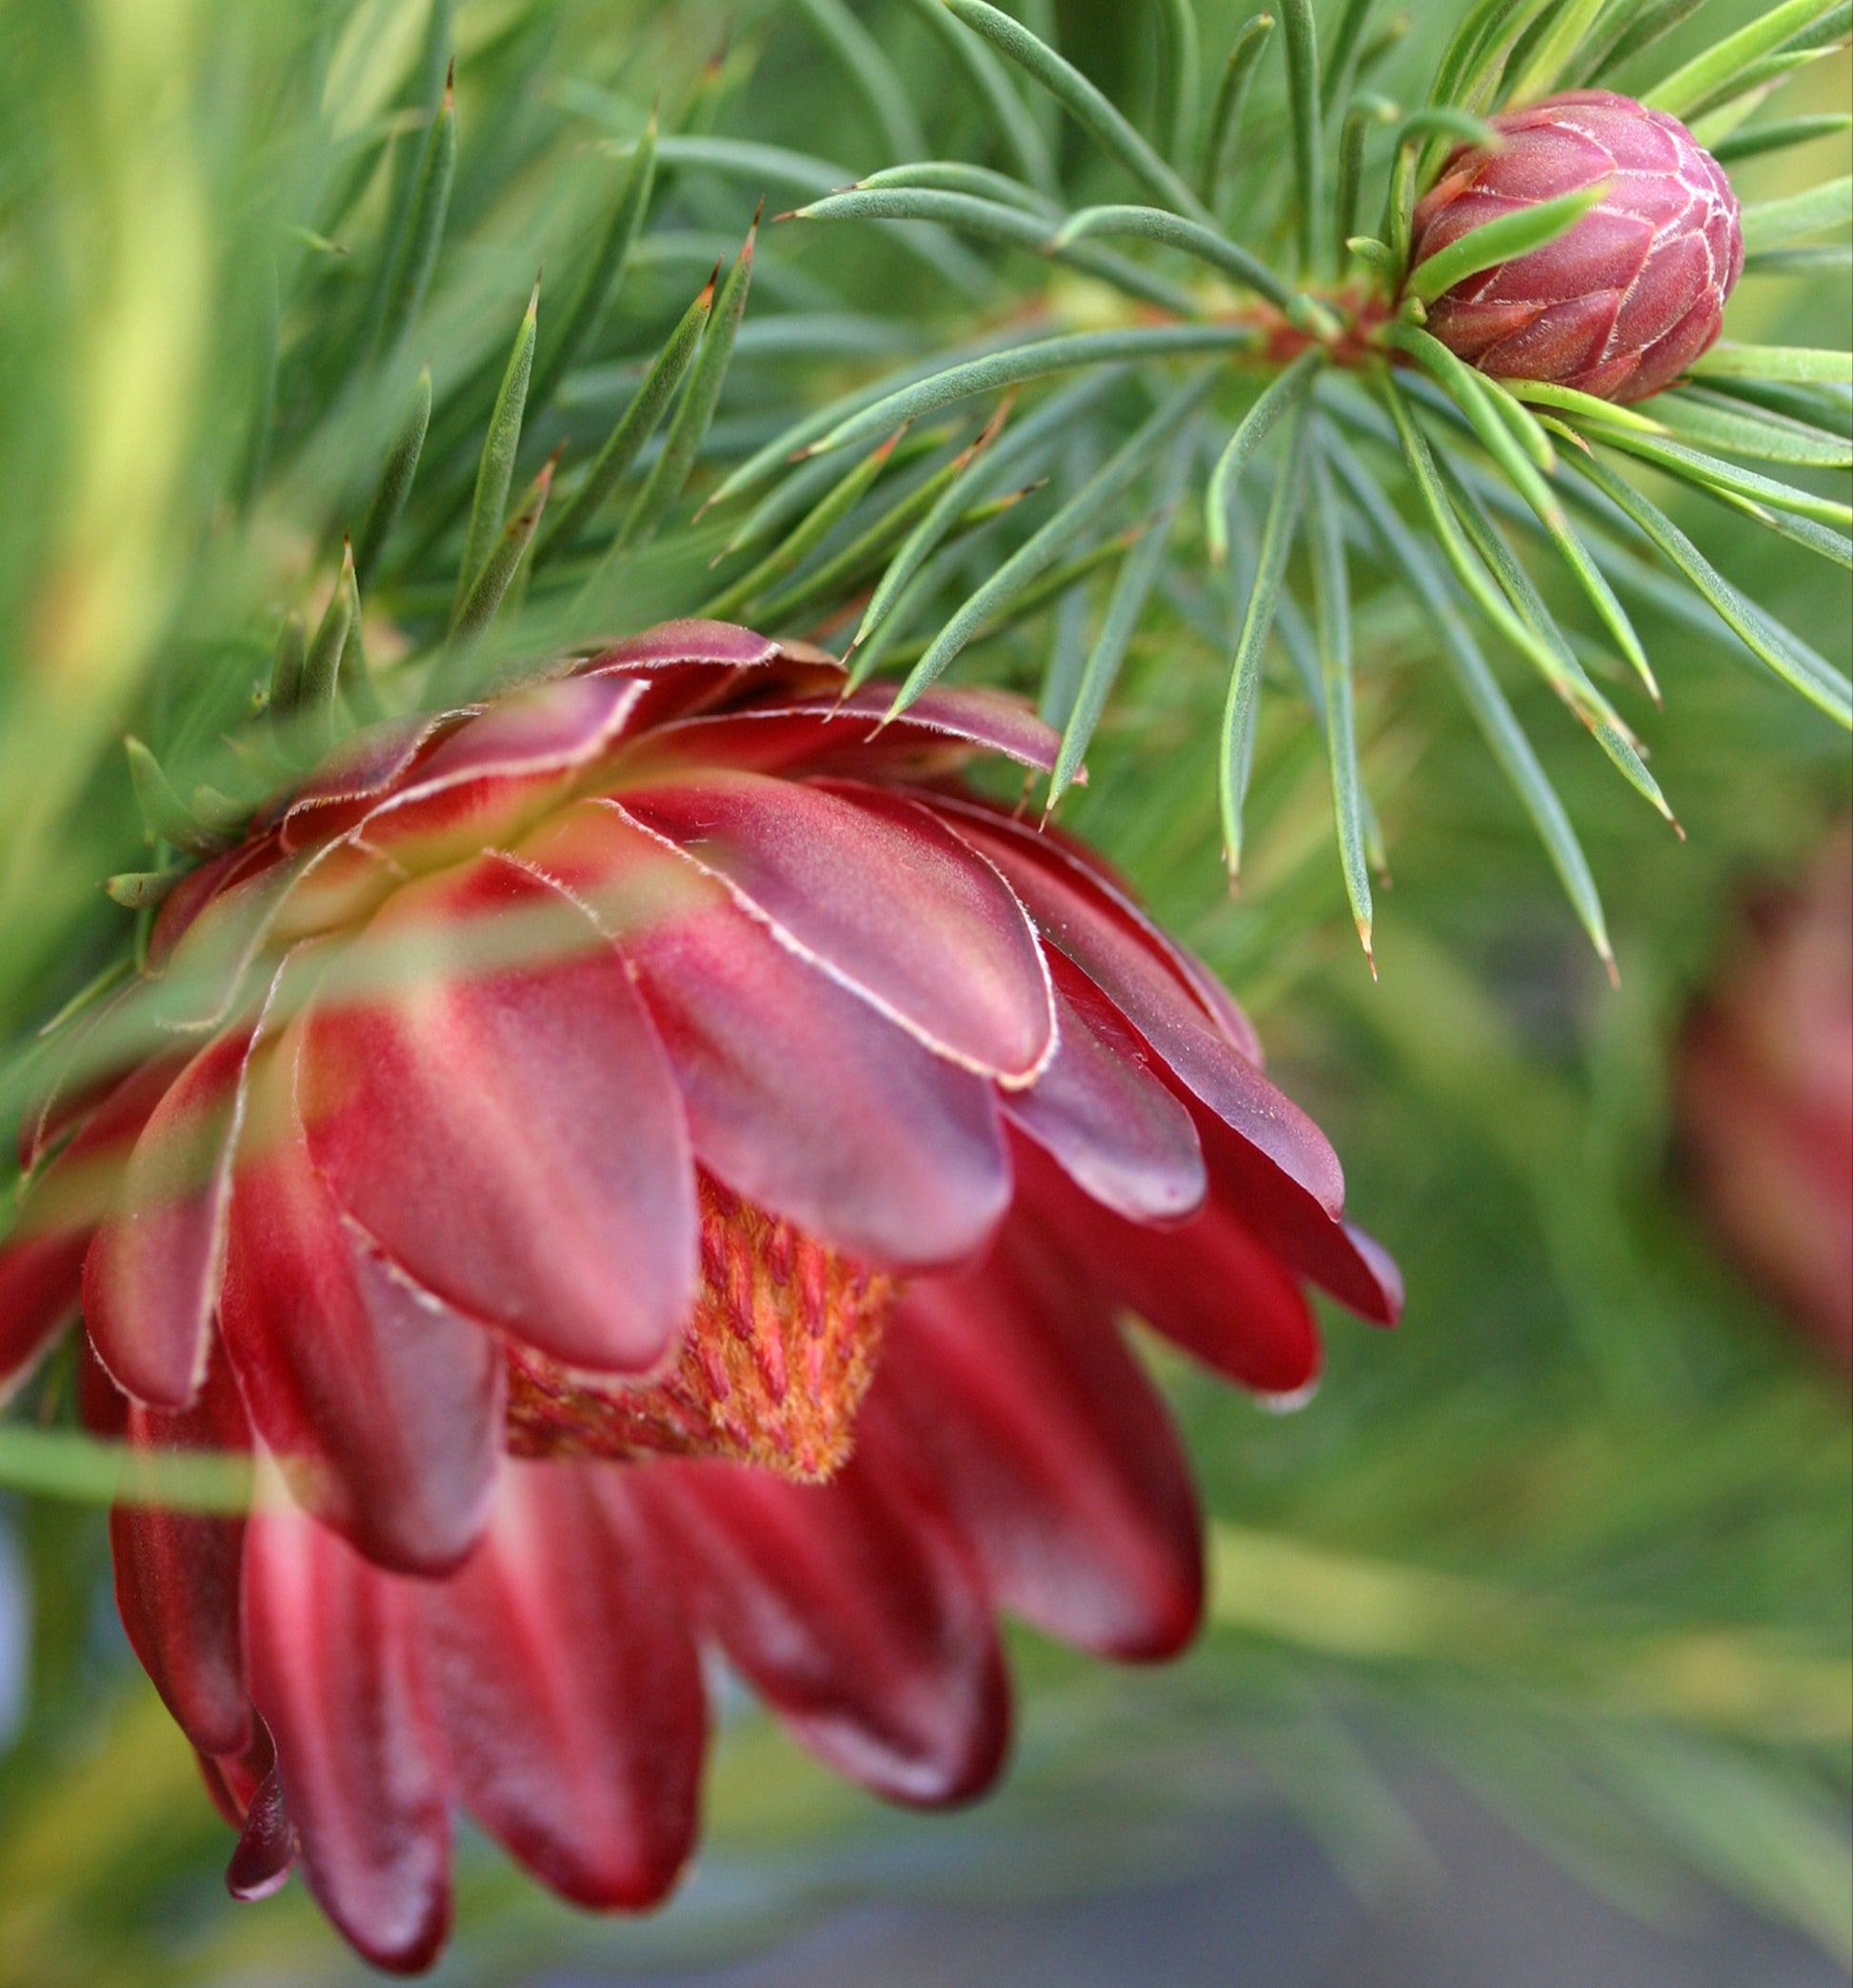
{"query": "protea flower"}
(1766, 1096)
(645, 1165)
(1621, 304)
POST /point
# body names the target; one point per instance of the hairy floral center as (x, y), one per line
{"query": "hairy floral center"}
(774, 1364)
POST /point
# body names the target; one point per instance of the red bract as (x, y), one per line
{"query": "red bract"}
(649, 1166)
(1624, 301)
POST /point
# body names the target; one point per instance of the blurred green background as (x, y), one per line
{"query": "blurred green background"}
(1581, 1532)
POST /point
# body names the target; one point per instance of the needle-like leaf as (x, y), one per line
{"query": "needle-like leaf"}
(1690, 85)
(635, 426)
(1157, 224)
(1239, 703)
(1131, 589)
(1281, 396)
(1301, 40)
(1786, 654)
(811, 531)
(395, 481)
(1089, 107)
(997, 222)
(1332, 593)
(1804, 365)
(1021, 137)
(1486, 409)
(1044, 547)
(1016, 365)
(1231, 96)
(496, 466)
(975, 478)
(1484, 698)
(1503, 240)
(695, 409)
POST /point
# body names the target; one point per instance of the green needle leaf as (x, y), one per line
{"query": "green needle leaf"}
(1302, 43)
(1156, 225)
(605, 273)
(1774, 224)
(287, 669)
(395, 481)
(635, 426)
(1000, 223)
(496, 466)
(430, 201)
(1569, 683)
(321, 666)
(1573, 681)
(1708, 473)
(1554, 50)
(1181, 80)
(1282, 396)
(957, 176)
(1361, 114)
(1503, 240)
(1786, 654)
(1802, 364)
(165, 816)
(1627, 28)
(1231, 95)
(140, 891)
(1087, 104)
(1021, 137)
(1331, 591)
(1690, 86)
(1018, 364)
(1695, 414)
(1137, 577)
(1486, 409)
(1044, 547)
(695, 410)
(353, 677)
(811, 531)
(1335, 81)
(1776, 137)
(1236, 753)
(974, 478)
(1505, 736)
(862, 557)
(478, 609)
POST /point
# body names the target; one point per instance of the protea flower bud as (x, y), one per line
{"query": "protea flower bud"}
(654, 1163)
(1621, 304)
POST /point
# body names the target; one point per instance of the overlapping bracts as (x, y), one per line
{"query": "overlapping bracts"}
(1624, 301)
(653, 1165)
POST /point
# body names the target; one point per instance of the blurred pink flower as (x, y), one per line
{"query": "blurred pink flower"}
(1765, 1095)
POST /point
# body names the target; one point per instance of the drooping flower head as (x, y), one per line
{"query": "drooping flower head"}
(1621, 304)
(654, 1163)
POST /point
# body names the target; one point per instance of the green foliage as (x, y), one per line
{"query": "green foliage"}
(1270, 579)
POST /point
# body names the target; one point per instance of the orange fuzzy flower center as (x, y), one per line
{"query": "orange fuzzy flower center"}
(773, 1364)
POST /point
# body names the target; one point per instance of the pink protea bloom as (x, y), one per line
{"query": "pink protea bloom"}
(654, 1164)
(1624, 301)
